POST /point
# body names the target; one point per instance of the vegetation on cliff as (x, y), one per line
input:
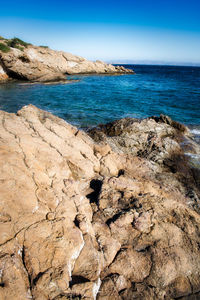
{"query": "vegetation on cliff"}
(4, 48)
(12, 43)
(17, 43)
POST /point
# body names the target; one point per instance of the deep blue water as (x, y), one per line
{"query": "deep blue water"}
(94, 99)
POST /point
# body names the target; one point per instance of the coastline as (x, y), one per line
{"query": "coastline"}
(100, 150)
(76, 209)
(23, 61)
(151, 91)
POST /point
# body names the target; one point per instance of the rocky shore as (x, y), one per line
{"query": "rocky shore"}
(112, 214)
(23, 61)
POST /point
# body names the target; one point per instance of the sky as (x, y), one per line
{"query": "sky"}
(164, 31)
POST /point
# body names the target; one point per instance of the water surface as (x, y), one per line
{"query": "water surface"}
(94, 99)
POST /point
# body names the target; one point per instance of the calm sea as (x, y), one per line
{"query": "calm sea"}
(94, 99)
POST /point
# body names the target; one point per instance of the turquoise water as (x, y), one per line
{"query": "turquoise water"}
(94, 99)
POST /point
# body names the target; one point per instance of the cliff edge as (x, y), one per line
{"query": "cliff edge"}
(113, 215)
(20, 60)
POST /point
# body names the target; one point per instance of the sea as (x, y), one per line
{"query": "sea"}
(88, 100)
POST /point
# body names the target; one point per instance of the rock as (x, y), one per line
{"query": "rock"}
(3, 75)
(112, 218)
(45, 65)
(136, 268)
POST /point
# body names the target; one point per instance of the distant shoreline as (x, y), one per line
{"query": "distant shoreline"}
(157, 64)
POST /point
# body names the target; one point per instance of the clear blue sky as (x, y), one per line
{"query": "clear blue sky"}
(164, 30)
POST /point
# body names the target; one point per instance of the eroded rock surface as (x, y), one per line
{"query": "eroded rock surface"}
(114, 217)
(3, 75)
(43, 64)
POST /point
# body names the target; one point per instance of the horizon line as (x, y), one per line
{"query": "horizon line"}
(154, 63)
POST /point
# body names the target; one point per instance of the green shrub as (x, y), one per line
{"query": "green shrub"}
(44, 46)
(4, 48)
(15, 43)
(1, 38)
(19, 47)
(20, 42)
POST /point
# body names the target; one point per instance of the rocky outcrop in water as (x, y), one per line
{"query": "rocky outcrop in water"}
(27, 62)
(115, 216)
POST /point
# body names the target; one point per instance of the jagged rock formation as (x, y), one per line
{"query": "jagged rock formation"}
(116, 217)
(43, 64)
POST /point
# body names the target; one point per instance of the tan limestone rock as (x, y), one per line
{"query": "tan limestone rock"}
(117, 219)
(45, 65)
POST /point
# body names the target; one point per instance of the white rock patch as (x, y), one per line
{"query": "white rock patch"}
(96, 288)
